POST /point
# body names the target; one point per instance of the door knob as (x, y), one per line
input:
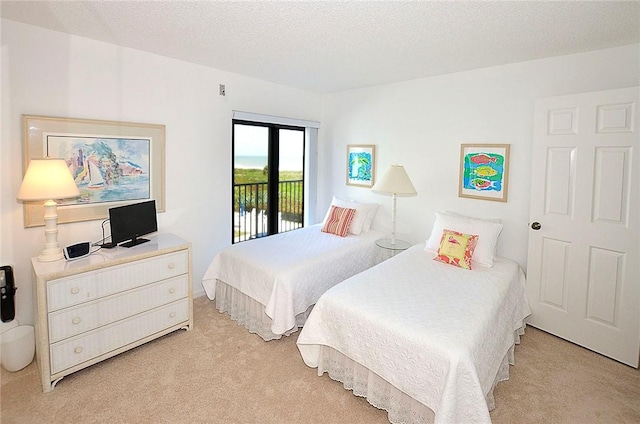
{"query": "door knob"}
(536, 226)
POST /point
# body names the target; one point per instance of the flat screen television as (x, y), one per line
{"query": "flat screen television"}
(130, 222)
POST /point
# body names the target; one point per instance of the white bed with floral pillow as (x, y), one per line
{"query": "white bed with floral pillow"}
(270, 284)
(425, 340)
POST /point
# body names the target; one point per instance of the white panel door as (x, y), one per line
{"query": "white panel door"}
(583, 271)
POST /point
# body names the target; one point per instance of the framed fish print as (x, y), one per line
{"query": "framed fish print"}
(113, 164)
(484, 171)
(361, 165)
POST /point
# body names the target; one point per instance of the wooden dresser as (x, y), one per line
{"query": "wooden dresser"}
(113, 300)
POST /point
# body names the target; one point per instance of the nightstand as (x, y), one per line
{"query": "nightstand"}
(399, 245)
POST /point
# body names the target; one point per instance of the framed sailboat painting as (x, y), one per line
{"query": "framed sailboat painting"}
(113, 163)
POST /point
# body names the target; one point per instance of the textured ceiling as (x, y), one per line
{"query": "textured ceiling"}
(338, 45)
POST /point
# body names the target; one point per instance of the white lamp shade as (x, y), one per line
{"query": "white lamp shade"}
(395, 181)
(47, 179)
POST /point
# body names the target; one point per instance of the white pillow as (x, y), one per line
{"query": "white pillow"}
(365, 213)
(487, 230)
(494, 220)
(372, 209)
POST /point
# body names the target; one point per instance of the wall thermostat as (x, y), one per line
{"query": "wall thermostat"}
(77, 251)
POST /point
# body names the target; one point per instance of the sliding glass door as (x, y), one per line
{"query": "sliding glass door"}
(268, 179)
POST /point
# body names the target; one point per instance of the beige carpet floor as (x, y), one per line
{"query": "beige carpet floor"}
(219, 373)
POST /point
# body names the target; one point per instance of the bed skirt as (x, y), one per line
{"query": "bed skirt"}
(401, 408)
(250, 313)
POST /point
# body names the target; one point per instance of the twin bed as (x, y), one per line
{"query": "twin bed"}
(426, 341)
(270, 284)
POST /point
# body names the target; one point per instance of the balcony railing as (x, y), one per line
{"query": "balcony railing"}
(250, 208)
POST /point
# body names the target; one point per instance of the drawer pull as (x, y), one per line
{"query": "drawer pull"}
(75, 290)
(76, 320)
(172, 290)
(78, 350)
(172, 265)
(172, 315)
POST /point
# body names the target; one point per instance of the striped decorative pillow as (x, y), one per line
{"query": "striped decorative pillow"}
(338, 221)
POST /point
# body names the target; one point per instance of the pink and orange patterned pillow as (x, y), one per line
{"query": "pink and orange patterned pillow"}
(338, 221)
(456, 248)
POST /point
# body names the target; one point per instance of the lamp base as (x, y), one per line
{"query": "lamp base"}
(50, 255)
(52, 250)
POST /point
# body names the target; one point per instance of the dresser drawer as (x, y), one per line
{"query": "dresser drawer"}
(69, 291)
(88, 316)
(74, 351)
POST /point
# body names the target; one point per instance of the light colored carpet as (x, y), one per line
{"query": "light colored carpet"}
(219, 373)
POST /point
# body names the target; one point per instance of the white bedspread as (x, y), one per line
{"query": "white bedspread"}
(289, 272)
(436, 332)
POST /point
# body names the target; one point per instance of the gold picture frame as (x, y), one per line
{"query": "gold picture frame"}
(484, 171)
(39, 133)
(361, 165)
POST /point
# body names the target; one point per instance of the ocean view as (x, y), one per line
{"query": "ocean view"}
(259, 162)
(250, 162)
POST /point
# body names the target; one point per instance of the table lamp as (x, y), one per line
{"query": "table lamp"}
(48, 179)
(395, 182)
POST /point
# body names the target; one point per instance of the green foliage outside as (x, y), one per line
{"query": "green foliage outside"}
(242, 176)
(290, 199)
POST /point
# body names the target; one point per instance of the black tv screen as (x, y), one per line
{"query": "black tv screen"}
(128, 223)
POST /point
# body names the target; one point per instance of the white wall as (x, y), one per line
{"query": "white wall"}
(421, 123)
(54, 74)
